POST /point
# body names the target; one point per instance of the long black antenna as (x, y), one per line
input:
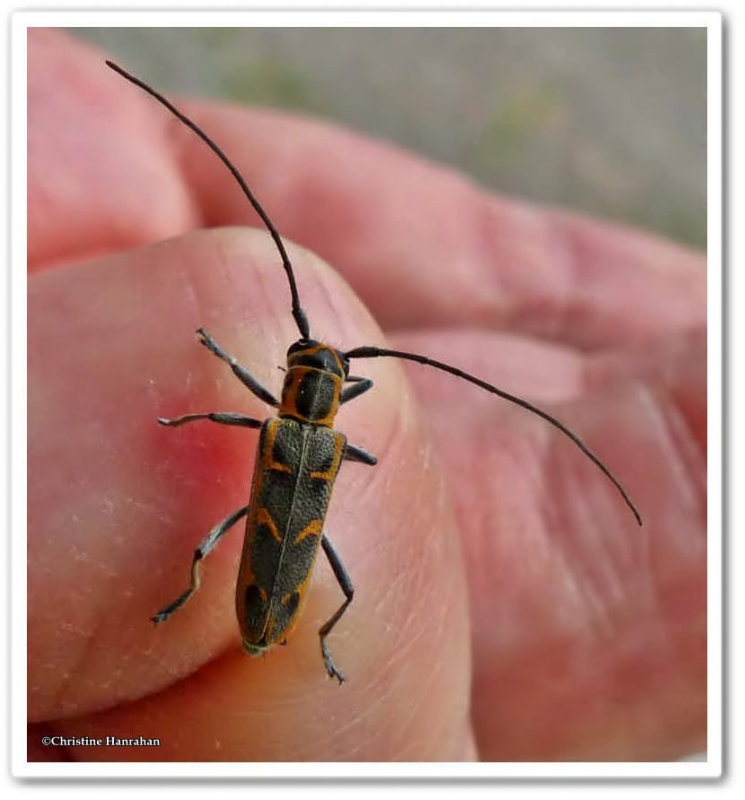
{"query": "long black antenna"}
(374, 352)
(301, 320)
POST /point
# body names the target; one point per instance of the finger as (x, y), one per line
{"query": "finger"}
(420, 244)
(589, 633)
(117, 505)
(102, 172)
(425, 247)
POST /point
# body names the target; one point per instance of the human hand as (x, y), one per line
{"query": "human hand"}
(507, 606)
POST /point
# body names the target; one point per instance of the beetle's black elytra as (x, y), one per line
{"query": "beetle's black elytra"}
(298, 458)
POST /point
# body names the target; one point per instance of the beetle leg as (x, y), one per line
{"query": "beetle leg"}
(243, 375)
(353, 453)
(223, 417)
(204, 548)
(359, 386)
(346, 586)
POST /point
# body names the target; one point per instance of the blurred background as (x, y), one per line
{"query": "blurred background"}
(607, 121)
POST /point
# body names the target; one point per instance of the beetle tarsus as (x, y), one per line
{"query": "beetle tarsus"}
(333, 672)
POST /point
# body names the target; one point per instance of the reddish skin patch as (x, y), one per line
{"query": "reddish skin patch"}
(587, 634)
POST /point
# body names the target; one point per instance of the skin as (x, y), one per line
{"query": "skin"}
(508, 607)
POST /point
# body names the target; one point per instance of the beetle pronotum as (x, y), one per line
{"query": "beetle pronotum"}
(298, 459)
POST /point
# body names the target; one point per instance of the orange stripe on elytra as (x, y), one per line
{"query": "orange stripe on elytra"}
(263, 517)
(313, 529)
(269, 461)
(334, 468)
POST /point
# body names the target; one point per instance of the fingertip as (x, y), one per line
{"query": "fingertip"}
(392, 522)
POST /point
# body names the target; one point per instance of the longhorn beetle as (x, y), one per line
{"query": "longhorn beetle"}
(298, 458)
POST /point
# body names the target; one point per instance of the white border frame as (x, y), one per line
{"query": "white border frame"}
(345, 18)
